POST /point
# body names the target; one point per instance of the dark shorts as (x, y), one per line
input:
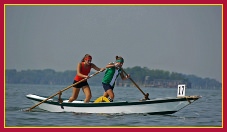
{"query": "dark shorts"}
(80, 85)
(107, 86)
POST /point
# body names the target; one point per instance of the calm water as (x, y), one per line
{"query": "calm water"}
(205, 112)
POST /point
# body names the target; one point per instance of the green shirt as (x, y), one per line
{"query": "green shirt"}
(111, 75)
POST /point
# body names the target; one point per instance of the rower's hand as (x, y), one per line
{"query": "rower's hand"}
(127, 76)
(116, 65)
(102, 69)
(87, 77)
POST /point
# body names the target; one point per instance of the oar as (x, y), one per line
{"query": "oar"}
(145, 95)
(63, 90)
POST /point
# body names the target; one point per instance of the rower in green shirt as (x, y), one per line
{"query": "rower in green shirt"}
(113, 70)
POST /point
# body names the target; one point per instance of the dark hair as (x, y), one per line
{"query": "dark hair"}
(119, 58)
(85, 56)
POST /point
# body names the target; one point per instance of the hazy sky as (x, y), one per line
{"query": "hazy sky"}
(183, 39)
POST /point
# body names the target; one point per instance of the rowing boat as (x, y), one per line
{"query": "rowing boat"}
(166, 105)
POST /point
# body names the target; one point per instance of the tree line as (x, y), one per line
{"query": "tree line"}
(140, 75)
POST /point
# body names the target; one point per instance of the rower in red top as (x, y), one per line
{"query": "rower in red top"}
(83, 69)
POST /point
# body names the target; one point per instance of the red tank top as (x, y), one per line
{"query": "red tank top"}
(83, 70)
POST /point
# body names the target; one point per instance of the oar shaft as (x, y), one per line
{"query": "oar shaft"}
(145, 95)
(42, 102)
(137, 86)
(63, 90)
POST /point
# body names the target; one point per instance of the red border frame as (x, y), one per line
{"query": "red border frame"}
(102, 2)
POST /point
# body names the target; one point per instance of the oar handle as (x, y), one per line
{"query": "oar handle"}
(63, 90)
(145, 95)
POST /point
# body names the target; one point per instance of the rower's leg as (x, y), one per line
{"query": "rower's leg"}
(75, 94)
(111, 95)
(87, 92)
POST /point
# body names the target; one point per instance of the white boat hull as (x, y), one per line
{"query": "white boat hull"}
(155, 106)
